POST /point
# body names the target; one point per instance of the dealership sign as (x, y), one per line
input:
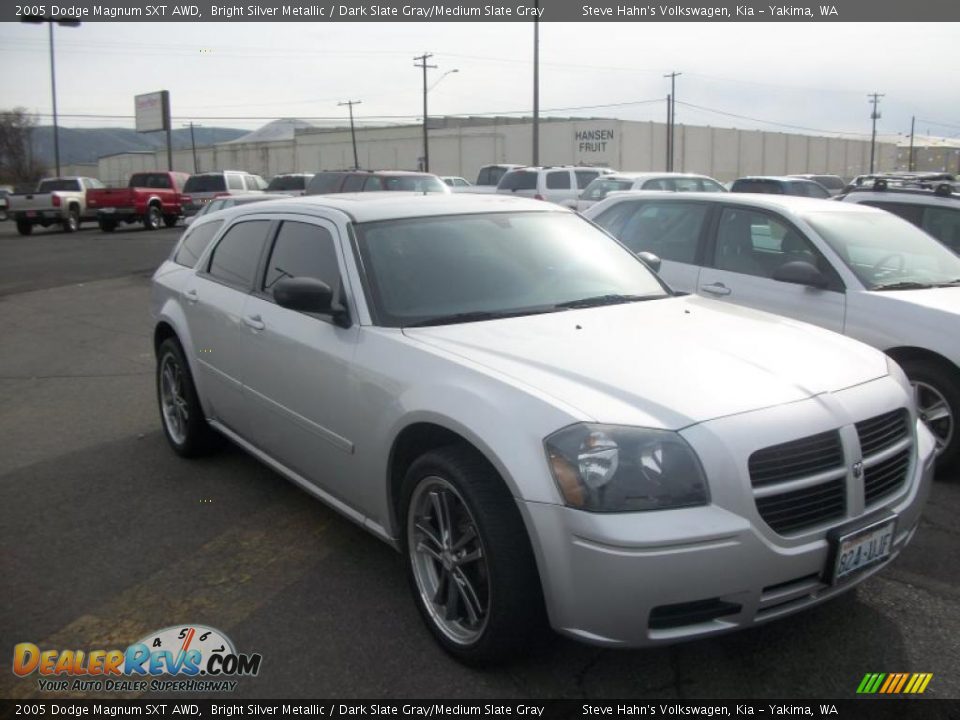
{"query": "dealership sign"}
(153, 111)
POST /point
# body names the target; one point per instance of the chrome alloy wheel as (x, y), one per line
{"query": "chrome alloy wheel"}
(173, 400)
(448, 559)
(934, 411)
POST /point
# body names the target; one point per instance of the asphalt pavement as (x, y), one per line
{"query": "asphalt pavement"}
(106, 535)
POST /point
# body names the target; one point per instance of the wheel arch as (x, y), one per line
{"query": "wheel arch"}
(907, 353)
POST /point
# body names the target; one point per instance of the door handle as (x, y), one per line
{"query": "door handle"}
(254, 321)
(716, 289)
(191, 295)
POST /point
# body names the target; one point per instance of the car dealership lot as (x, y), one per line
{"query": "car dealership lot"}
(108, 536)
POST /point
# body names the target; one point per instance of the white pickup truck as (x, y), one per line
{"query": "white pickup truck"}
(57, 201)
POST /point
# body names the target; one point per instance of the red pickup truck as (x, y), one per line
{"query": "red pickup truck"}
(150, 197)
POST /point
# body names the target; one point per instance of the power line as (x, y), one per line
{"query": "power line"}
(770, 122)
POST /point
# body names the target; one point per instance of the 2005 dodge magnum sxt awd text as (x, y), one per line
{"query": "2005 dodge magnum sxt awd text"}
(548, 433)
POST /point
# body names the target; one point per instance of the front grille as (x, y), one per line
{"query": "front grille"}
(879, 433)
(796, 459)
(798, 509)
(692, 613)
(885, 477)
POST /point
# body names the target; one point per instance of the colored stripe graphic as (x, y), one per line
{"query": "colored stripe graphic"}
(894, 683)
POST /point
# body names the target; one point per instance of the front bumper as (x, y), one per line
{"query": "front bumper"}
(640, 579)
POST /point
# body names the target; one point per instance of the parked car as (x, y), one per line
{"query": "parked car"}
(349, 181)
(455, 183)
(833, 183)
(513, 400)
(849, 268)
(899, 179)
(615, 182)
(488, 178)
(203, 187)
(56, 201)
(224, 202)
(289, 183)
(561, 184)
(935, 210)
(4, 192)
(780, 186)
(151, 198)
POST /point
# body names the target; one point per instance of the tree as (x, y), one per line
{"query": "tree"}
(17, 163)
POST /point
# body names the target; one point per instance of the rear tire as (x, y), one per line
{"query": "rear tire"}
(181, 414)
(171, 220)
(937, 392)
(469, 560)
(152, 218)
(24, 227)
(107, 225)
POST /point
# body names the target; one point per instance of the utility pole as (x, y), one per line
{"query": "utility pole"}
(353, 133)
(913, 122)
(426, 143)
(536, 87)
(53, 76)
(673, 115)
(666, 164)
(874, 116)
(193, 146)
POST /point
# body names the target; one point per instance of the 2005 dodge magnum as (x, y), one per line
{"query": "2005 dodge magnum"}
(545, 431)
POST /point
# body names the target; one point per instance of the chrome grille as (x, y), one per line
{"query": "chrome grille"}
(798, 509)
(886, 476)
(882, 431)
(796, 459)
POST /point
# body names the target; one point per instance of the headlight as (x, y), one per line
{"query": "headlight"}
(612, 468)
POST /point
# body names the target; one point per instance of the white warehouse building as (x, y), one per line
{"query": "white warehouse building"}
(460, 146)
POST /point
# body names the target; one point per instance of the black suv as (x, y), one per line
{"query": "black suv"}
(344, 181)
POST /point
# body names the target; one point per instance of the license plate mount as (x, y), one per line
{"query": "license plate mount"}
(855, 549)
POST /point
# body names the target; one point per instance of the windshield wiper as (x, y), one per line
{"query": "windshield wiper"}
(478, 315)
(905, 285)
(598, 300)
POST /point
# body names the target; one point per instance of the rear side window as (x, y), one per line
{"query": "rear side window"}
(59, 186)
(205, 183)
(235, 182)
(195, 242)
(354, 183)
(944, 225)
(668, 230)
(235, 258)
(519, 180)
(585, 177)
(558, 180)
(767, 187)
(809, 189)
(486, 177)
(324, 182)
(150, 180)
(302, 250)
(911, 213)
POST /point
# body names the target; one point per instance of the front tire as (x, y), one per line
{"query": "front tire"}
(181, 415)
(72, 223)
(468, 557)
(937, 394)
(152, 218)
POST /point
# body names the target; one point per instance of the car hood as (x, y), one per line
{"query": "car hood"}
(946, 299)
(665, 363)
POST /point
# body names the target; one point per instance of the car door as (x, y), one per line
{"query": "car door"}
(671, 230)
(746, 246)
(214, 302)
(298, 365)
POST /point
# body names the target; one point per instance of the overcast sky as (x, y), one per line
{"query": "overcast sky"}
(813, 76)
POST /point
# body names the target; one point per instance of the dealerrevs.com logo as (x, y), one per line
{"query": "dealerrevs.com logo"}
(200, 658)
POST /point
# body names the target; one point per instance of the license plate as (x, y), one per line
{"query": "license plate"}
(863, 548)
(31, 213)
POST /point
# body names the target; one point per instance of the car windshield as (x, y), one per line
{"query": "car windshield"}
(884, 251)
(598, 189)
(205, 183)
(431, 270)
(287, 182)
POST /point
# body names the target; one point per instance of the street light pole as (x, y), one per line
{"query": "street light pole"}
(673, 118)
(353, 133)
(536, 87)
(193, 145)
(874, 116)
(53, 76)
(426, 146)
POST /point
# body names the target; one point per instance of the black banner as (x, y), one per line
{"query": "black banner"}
(872, 709)
(487, 11)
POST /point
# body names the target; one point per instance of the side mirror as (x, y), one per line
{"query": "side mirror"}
(306, 294)
(800, 272)
(650, 260)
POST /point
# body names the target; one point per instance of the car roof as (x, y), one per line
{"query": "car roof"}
(781, 203)
(374, 206)
(648, 175)
(778, 178)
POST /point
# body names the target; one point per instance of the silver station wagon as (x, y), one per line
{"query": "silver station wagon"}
(544, 430)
